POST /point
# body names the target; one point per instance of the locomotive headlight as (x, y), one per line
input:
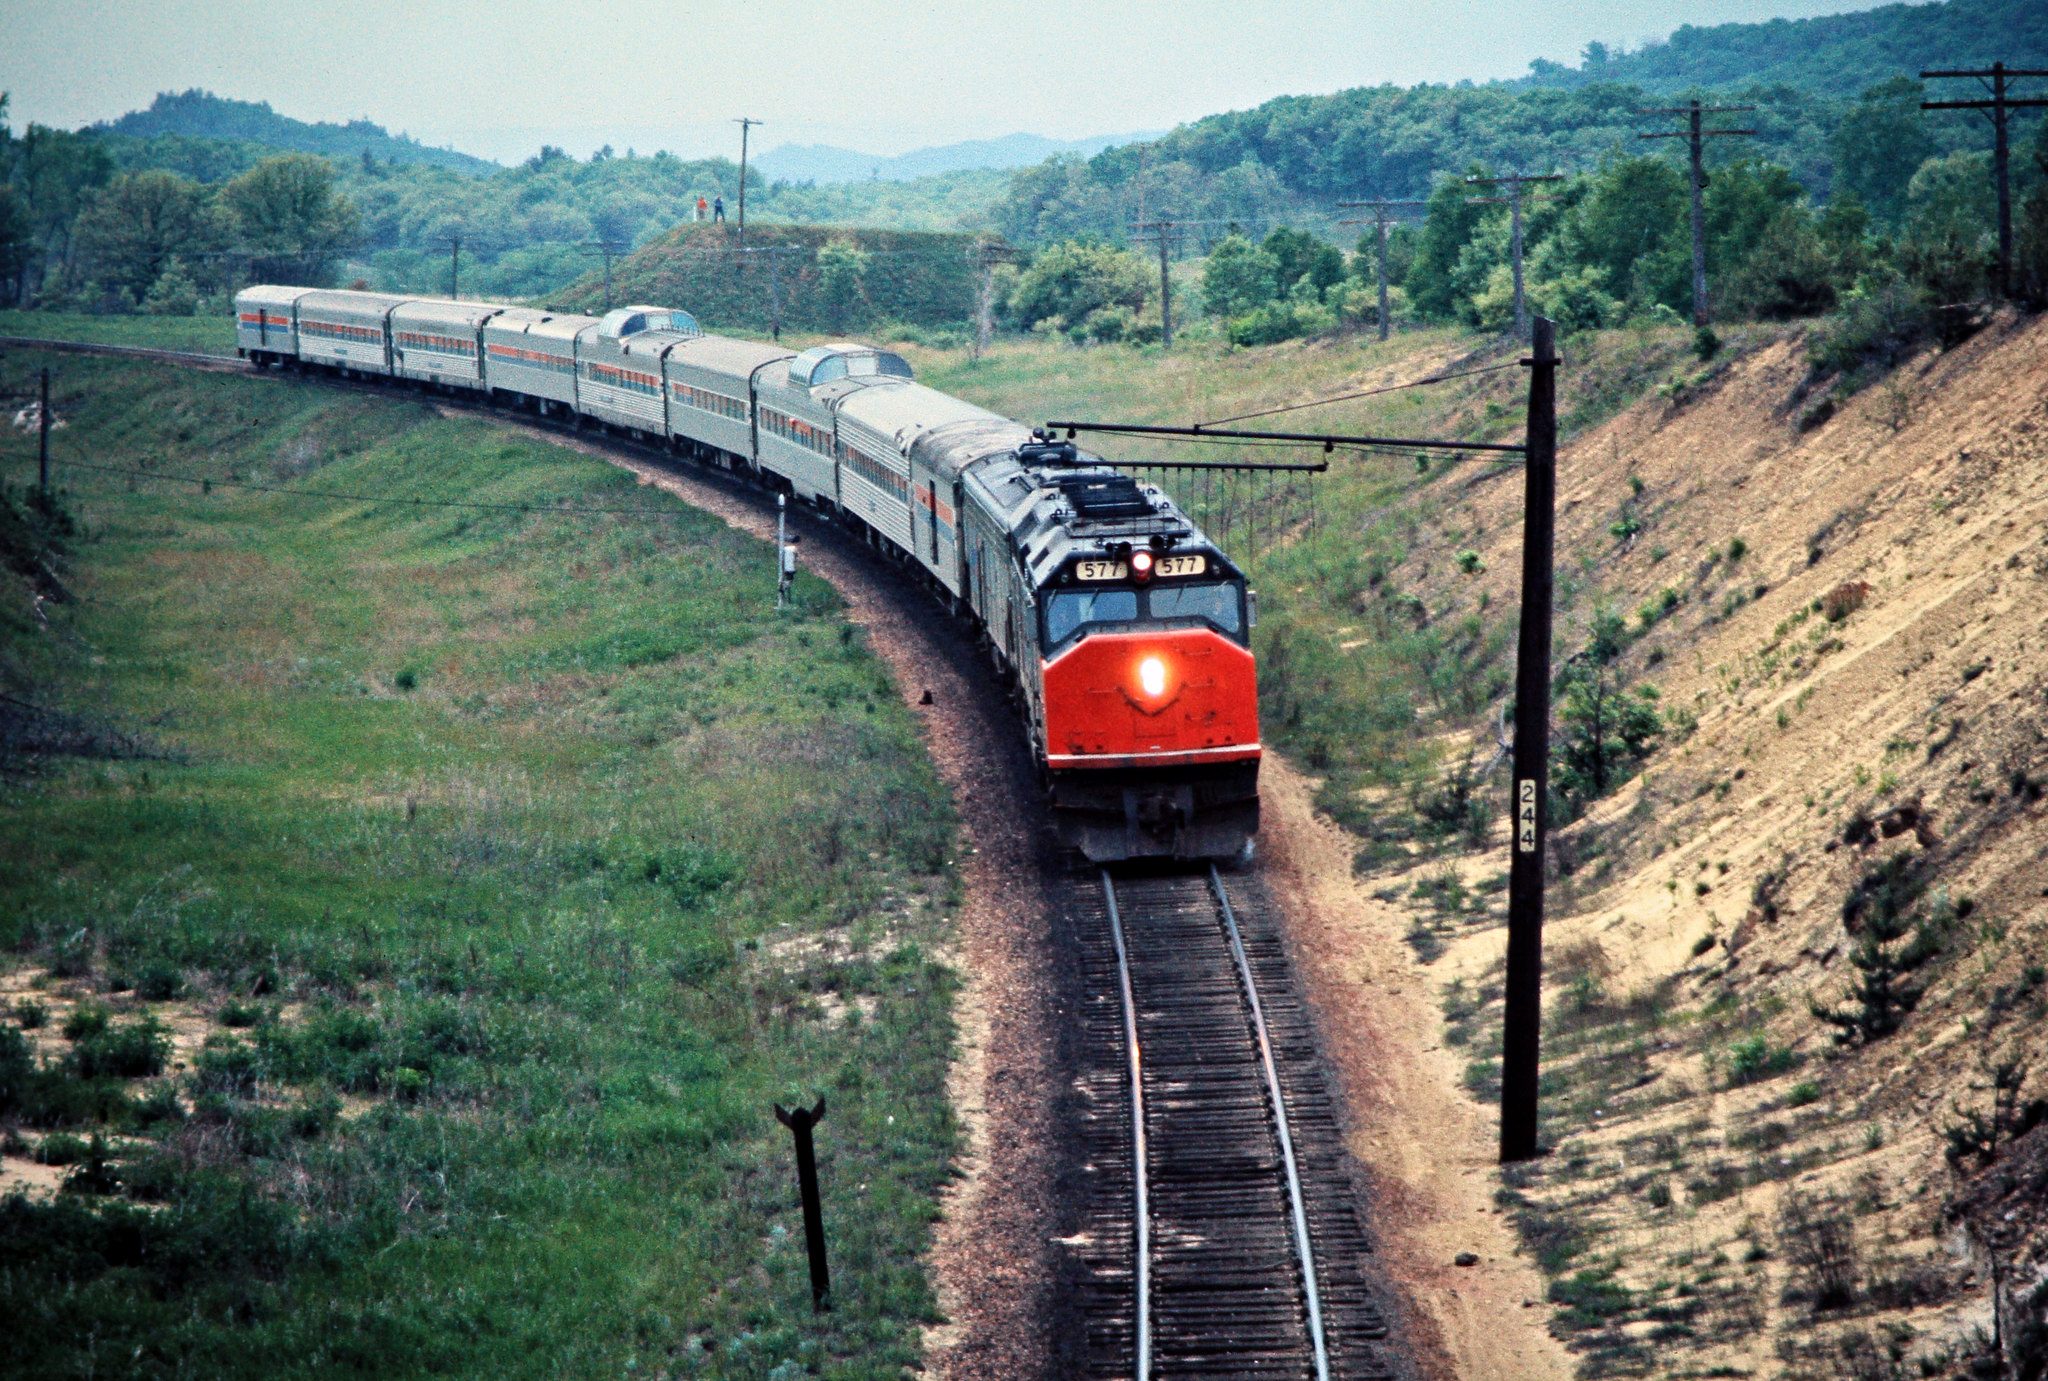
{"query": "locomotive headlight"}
(1152, 677)
(1141, 565)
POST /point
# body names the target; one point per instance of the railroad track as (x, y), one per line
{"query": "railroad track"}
(1220, 1236)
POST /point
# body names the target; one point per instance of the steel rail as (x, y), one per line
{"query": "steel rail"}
(1142, 1262)
(1301, 1238)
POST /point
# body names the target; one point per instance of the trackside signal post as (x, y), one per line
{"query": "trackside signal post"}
(1521, 1031)
(800, 1121)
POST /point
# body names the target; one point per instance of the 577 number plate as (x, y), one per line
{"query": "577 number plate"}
(1183, 565)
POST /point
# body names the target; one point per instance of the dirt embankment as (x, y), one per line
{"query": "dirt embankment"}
(1845, 611)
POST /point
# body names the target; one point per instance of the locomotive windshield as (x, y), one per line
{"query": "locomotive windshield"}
(1219, 604)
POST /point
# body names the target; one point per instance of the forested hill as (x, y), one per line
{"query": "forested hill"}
(1289, 161)
(197, 114)
(1835, 55)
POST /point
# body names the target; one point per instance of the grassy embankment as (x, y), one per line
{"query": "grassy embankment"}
(473, 879)
(215, 334)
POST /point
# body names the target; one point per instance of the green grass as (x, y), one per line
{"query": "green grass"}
(215, 334)
(518, 831)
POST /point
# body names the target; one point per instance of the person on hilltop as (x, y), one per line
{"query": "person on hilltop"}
(703, 208)
(718, 209)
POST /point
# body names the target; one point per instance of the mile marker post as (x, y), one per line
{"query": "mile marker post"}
(800, 1121)
(1522, 1027)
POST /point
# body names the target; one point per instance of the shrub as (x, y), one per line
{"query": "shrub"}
(1844, 600)
(227, 1065)
(1819, 1244)
(30, 1014)
(159, 983)
(133, 1051)
(1754, 1059)
(61, 1148)
(1804, 1092)
(86, 1020)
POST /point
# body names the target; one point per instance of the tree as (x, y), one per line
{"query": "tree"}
(135, 226)
(54, 171)
(1452, 217)
(842, 275)
(2030, 239)
(1878, 144)
(1633, 228)
(1605, 728)
(1071, 280)
(16, 248)
(1240, 278)
(1882, 911)
(1298, 255)
(1947, 248)
(291, 217)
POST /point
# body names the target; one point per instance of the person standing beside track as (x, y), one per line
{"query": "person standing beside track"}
(718, 209)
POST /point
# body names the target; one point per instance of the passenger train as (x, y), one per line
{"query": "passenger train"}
(1126, 630)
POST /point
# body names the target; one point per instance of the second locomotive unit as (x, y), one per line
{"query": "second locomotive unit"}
(1125, 630)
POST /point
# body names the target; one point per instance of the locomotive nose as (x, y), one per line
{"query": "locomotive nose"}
(1152, 676)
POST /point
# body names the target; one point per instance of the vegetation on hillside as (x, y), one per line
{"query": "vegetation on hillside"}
(412, 912)
(204, 118)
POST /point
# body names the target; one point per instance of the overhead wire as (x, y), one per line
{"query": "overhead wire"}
(1363, 393)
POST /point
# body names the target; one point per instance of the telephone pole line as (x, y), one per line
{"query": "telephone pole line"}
(454, 243)
(1380, 218)
(2001, 153)
(606, 247)
(1696, 135)
(1163, 230)
(1513, 201)
(746, 123)
(986, 255)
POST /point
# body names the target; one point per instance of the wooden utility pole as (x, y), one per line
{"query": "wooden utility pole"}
(986, 254)
(454, 243)
(606, 247)
(1513, 201)
(43, 435)
(1696, 136)
(1380, 217)
(2001, 153)
(1522, 1024)
(1163, 231)
(746, 123)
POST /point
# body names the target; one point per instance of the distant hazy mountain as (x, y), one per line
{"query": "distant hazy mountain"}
(202, 115)
(824, 163)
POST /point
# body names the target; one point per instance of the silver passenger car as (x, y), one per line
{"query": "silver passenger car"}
(918, 493)
(794, 430)
(437, 341)
(711, 391)
(532, 354)
(349, 330)
(619, 365)
(266, 326)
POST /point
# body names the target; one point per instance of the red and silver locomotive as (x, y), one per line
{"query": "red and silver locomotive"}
(1127, 632)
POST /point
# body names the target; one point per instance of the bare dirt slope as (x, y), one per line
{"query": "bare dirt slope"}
(1846, 613)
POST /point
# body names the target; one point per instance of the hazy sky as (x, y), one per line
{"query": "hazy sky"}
(882, 76)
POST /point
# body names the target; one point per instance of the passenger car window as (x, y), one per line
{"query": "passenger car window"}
(1071, 608)
(1215, 602)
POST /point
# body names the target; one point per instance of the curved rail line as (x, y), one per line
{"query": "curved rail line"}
(1222, 1238)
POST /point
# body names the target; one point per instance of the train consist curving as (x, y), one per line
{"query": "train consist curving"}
(1127, 632)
